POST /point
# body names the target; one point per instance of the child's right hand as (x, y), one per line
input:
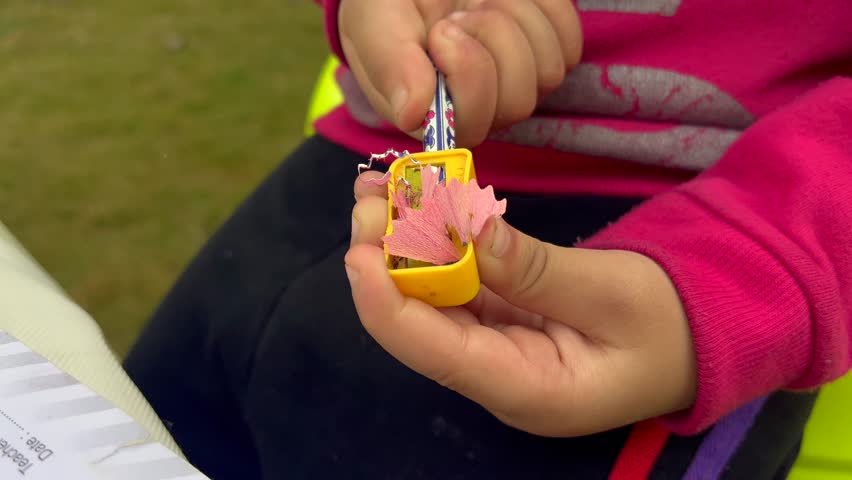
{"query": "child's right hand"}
(499, 56)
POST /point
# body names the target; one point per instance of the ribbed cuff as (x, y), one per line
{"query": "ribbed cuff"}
(750, 322)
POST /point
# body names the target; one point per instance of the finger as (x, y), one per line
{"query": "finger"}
(500, 34)
(476, 361)
(460, 315)
(432, 11)
(534, 344)
(369, 220)
(493, 309)
(471, 75)
(586, 289)
(396, 321)
(563, 17)
(385, 48)
(367, 185)
(541, 36)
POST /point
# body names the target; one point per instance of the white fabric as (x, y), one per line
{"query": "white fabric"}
(35, 310)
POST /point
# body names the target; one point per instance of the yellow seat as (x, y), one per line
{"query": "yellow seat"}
(827, 447)
(326, 95)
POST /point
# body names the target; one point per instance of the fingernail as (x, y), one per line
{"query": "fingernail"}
(500, 240)
(456, 16)
(398, 101)
(356, 228)
(352, 274)
(453, 31)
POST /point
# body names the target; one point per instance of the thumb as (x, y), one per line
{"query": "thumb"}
(384, 42)
(560, 283)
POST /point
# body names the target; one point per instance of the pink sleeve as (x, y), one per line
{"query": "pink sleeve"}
(759, 248)
(331, 32)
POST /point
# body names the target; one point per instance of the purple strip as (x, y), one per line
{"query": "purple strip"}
(720, 444)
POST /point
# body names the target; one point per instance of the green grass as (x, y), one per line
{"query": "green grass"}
(129, 130)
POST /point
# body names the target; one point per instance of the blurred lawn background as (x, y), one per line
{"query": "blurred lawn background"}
(129, 130)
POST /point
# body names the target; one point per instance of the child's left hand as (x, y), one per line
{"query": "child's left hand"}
(559, 342)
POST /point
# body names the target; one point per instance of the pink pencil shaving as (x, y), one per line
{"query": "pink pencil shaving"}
(436, 223)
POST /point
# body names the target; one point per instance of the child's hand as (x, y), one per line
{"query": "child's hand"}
(559, 342)
(499, 57)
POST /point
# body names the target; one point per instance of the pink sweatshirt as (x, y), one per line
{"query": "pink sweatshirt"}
(735, 118)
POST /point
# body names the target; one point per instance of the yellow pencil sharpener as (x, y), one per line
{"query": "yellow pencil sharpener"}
(438, 285)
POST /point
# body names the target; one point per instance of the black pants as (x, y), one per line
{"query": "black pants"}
(257, 362)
